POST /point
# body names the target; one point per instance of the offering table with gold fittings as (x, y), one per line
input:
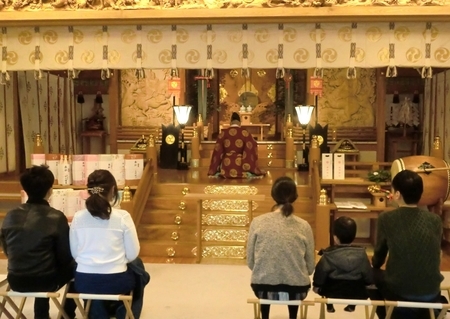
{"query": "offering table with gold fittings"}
(326, 214)
(174, 227)
(351, 187)
(258, 130)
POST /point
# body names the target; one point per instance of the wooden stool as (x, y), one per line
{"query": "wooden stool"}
(3, 310)
(87, 135)
(84, 310)
(7, 295)
(366, 303)
(431, 306)
(303, 305)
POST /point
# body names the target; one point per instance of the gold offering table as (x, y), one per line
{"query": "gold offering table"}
(259, 131)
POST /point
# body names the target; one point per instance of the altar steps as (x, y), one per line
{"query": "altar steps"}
(168, 228)
(9, 195)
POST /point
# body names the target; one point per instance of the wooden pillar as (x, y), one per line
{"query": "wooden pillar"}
(114, 105)
(202, 91)
(380, 114)
(288, 94)
(322, 233)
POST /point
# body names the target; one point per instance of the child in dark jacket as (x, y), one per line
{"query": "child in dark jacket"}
(344, 270)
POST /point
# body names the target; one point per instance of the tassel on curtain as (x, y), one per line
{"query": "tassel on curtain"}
(37, 54)
(318, 71)
(391, 69)
(245, 71)
(209, 72)
(280, 72)
(351, 71)
(105, 72)
(140, 73)
(71, 72)
(174, 69)
(4, 75)
(427, 71)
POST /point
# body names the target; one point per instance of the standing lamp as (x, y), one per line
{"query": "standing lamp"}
(182, 114)
(304, 113)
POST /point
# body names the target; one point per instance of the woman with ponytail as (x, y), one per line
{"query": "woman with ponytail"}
(103, 241)
(280, 250)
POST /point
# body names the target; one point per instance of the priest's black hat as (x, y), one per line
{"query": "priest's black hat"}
(235, 117)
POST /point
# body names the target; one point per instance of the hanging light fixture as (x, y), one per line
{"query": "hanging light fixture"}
(304, 113)
(182, 114)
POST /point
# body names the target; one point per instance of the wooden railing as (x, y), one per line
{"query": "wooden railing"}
(362, 169)
(360, 134)
(130, 133)
(315, 181)
(142, 193)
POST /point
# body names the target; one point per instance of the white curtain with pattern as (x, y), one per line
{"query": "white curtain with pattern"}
(7, 136)
(43, 108)
(225, 46)
(54, 111)
(29, 111)
(50, 100)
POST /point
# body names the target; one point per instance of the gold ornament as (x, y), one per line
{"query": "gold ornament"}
(170, 139)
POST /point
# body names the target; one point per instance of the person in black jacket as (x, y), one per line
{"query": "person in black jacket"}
(344, 270)
(35, 238)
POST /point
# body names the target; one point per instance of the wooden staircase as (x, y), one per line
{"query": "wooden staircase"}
(9, 195)
(168, 227)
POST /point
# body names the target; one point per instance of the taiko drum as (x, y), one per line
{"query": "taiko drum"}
(435, 173)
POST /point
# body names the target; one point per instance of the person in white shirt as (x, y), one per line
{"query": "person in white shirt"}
(103, 240)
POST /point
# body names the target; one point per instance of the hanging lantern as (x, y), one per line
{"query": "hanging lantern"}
(316, 86)
(174, 85)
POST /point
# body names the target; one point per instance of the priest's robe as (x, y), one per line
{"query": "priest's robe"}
(235, 155)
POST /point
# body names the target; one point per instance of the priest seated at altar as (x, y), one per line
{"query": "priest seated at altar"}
(235, 154)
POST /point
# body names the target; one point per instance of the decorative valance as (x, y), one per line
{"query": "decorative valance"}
(225, 46)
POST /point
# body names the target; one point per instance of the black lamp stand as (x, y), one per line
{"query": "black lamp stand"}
(182, 152)
(304, 166)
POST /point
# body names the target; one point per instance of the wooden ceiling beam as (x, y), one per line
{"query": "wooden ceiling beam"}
(226, 16)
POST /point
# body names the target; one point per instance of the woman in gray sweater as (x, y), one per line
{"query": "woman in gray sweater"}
(280, 250)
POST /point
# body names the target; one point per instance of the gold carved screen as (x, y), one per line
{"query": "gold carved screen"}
(348, 102)
(145, 101)
(257, 91)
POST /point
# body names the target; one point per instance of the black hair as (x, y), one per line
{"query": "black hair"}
(100, 183)
(344, 228)
(36, 181)
(235, 117)
(410, 186)
(284, 192)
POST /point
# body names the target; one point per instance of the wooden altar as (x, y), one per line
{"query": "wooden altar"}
(258, 130)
